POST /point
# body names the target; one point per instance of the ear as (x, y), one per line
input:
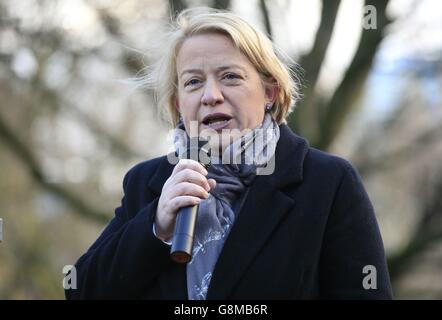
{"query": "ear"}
(271, 90)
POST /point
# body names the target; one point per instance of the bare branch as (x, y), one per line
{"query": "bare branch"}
(399, 263)
(313, 60)
(222, 4)
(132, 61)
(265, 15)
(305, 120)
(176, 6)
(366, 165)
(28, 159)
(428, 230)
(52, 99)
(353, 82)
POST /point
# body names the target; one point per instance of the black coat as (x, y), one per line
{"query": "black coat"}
(304, 232)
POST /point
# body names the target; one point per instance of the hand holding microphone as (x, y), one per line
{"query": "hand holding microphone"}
(182, 193)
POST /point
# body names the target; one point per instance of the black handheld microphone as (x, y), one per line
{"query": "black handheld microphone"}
(182, 243)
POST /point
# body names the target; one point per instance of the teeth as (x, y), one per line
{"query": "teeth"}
(218, 121)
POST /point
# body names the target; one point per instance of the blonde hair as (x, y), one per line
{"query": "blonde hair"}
(265, 57)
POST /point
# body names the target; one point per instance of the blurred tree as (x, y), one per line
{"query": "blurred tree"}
(305, 120)
(321, 120)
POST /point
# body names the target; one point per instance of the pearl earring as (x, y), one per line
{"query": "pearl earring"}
(269, 106)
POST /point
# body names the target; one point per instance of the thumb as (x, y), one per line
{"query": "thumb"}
(212, 183)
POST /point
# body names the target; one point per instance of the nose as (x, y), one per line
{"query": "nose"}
(212, 94)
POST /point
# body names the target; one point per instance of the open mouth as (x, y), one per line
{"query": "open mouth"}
(216, 120)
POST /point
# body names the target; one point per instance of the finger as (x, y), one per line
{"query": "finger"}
(190, 164)
(190, 189)
(189, 175)
(183, 201)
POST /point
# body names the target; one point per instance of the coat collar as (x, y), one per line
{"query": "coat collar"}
(265, 196)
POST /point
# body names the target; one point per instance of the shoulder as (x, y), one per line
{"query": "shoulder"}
(328, 162)
(144, 181)
(305, 161)
(330, 172)
(142, 171)
(297, 161)
(338, 174)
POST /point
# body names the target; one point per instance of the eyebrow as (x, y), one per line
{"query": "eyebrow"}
(221, 68)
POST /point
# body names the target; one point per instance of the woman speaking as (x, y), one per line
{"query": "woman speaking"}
(276, 218)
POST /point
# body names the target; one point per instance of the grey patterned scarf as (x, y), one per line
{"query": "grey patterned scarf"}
(216, 214)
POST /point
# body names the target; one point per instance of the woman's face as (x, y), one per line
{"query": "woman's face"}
(218, 86)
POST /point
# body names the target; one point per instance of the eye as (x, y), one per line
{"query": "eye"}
(230, 76)
(191, 82)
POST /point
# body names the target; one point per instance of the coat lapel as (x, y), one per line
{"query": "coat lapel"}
(265, 206)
